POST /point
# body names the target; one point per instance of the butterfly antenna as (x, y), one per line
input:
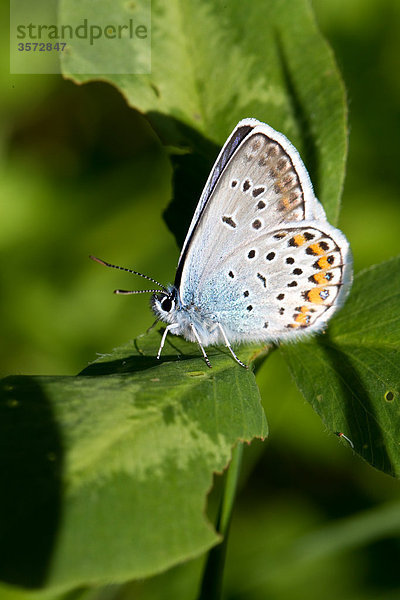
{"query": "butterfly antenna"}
(106, 264)
(129, 292)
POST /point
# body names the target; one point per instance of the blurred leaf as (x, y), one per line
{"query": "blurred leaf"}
(304, 550)
(214, 63)
(351, 375)
(107, 475)
(351, 532)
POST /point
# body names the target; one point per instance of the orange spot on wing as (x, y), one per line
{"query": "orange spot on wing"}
(323, 262)
(316, 248)
(314, 295)
(285, 202)
(299, 239)
(302, 319)
(320, 278)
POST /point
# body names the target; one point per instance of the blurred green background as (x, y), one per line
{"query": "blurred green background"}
(81, 173)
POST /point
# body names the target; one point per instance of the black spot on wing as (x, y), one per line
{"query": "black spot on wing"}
(257, 191)
(262, 278)
(229, 221)
(246, 185)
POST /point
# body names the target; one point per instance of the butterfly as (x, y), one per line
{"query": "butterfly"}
(260, 262)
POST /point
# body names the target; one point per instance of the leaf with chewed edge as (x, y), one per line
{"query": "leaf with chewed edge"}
(111, 469)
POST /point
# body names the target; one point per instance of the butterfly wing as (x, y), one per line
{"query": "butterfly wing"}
(273, 159)
(280, 284)
(259, 189)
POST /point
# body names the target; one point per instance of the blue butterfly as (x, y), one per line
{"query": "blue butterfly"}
(260, 261)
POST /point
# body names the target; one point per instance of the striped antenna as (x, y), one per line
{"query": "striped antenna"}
(128, 292)
(106, 264)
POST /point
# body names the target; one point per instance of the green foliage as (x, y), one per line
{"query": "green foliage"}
(115, 464)
(213, 64)
(110, 470)
(351, 374)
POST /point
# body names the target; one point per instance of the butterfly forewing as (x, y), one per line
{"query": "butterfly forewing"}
(262, 258)
(241, 131)
(256, 145)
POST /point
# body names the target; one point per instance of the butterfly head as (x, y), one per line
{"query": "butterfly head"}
(165, 304)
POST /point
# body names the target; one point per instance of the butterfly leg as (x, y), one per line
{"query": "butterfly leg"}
(227, 344)
(168, 328)
(196, 335)
(348, 440)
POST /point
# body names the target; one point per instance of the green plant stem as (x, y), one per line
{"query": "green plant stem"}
(211, 587)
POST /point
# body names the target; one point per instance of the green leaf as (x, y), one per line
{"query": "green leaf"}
(108, 472)
(215, 62)
(110, 469)
(351, 374)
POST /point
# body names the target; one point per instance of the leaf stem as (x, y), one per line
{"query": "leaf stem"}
(211, 586)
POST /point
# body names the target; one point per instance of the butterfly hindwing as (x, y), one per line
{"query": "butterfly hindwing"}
(284, 283)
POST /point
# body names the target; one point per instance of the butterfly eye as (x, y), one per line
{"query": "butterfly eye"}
(166, 304)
